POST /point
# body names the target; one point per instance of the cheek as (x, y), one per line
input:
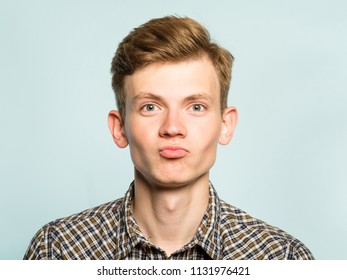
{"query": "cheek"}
(139, 137)
(206, 134)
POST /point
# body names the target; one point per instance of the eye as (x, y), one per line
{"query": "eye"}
(198, 107)
(149, 107)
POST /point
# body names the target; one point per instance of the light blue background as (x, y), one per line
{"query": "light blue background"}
(286, 163)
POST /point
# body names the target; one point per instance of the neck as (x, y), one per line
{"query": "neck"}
(169, 216)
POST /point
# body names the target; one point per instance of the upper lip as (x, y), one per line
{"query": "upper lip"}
(172, 148)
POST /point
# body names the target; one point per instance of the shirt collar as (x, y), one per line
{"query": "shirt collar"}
(207, 236)
(132, 234)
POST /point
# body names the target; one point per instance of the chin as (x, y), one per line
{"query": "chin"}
(162, 181)
(176, 181)
(169, 178)
(170, 182)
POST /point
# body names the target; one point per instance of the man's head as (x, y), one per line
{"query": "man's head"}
(168, 39)
(171, 86)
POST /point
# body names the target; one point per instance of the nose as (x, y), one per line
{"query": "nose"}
(173, 125)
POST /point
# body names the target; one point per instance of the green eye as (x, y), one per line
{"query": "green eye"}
(149, 107)
(197, 107)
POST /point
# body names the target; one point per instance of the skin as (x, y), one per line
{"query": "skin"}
(173, 125)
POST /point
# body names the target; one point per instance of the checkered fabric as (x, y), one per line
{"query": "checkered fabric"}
(110, 232)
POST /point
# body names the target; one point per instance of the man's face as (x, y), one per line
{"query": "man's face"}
(173, 121)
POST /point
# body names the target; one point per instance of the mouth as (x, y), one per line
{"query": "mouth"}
(173, 152)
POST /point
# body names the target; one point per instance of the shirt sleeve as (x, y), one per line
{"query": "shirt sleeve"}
(41, 246)
(298, 251)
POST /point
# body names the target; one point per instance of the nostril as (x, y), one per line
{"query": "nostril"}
(172, 127)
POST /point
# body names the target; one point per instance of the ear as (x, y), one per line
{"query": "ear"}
(228, 125)
(116, 126)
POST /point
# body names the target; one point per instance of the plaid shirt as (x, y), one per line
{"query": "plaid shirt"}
(110, 232)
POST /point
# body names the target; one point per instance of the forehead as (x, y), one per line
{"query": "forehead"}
(174, 79)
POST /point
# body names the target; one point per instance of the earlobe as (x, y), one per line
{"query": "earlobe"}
(116, 126)
(228, 125)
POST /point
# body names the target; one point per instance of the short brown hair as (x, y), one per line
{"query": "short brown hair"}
(168, 39)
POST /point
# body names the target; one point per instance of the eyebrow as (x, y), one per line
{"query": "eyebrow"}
(193, 97)
(199, 96)
(147, 95)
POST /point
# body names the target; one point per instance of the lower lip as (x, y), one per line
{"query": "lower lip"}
(168, 153)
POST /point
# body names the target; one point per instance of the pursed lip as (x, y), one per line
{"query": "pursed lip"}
(172, 152)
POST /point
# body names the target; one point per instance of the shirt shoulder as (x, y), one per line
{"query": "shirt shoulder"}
(86, 235)
(245, 237)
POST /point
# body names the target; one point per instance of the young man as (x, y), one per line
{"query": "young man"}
(171, 84)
